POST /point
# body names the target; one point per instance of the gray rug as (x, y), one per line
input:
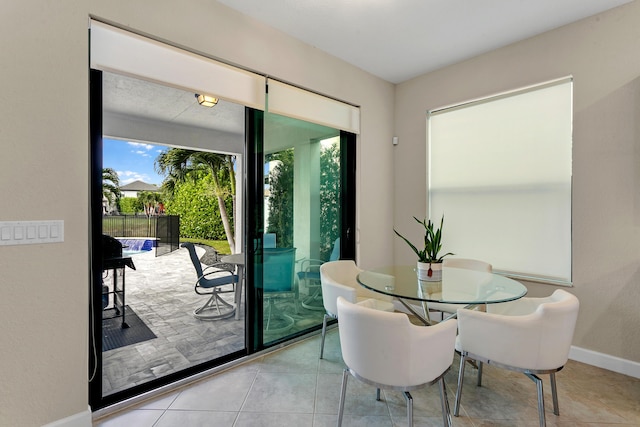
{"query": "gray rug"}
(115, 336)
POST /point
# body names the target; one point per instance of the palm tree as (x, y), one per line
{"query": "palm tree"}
(149, 201)
(178, 165)
(110, 185)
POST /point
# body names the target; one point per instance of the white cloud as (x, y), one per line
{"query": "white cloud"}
(127, 177)
(141, 145)
(141, 149)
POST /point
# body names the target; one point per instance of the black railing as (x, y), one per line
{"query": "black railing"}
(167, 234)
(165, 229)
(129, 225)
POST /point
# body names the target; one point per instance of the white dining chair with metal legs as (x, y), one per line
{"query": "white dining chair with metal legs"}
(338, 278)
(464, 263)
(387, 351)
(529, 335)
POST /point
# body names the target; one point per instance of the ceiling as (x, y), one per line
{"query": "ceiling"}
(393, 39)
(397, 40)
(142, 99)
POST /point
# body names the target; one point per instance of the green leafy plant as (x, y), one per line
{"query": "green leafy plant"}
(432, 242)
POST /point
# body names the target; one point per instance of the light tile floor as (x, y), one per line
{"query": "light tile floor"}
(292, 387)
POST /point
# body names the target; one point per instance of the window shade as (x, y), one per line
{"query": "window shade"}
(500, 172)
(300, 104)
(113, 49)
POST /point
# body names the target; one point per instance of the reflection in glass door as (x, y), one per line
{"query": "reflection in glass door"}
(301, 224)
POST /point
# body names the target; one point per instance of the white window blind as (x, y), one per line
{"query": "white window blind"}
(300, 104)
(116, 50)
(123, 52)
(500, 172)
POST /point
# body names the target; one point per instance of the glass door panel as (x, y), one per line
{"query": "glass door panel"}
(146, 333)
(301, 222)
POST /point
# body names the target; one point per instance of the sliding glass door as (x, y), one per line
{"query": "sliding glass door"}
(303, 218)
(145, 333)
(290, 207)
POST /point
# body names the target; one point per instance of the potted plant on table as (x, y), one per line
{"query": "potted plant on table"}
(429, 259)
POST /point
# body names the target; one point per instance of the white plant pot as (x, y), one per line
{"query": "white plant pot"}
(430, 272)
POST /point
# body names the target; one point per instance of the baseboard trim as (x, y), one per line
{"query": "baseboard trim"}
(605, 361)
(81, 419)
(590, 357)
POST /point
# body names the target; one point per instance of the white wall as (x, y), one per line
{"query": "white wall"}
(602, 53)
(44, 170)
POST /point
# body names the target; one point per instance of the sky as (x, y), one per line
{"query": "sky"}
(131, 160)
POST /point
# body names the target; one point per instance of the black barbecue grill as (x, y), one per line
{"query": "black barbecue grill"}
(113, 269)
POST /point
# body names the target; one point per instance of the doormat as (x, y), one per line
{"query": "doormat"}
(115, 336)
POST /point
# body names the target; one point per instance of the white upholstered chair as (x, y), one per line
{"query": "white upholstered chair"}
(466, 263)
(338, 278)
(529, 335)
(387, 351)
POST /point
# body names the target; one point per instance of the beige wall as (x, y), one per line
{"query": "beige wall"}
(44, 165)
(602, 53)
(237, 39)
(44, 170)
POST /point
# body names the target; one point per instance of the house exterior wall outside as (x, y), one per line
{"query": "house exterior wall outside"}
(601, 53)
(44, 339)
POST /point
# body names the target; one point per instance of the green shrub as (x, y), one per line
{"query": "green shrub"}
(129, 205)
(198, 210)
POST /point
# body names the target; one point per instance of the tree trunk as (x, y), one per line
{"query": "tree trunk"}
(232, 180)
(227, 225)
(224, 215)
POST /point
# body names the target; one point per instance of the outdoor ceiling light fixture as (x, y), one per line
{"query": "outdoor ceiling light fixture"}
(206, 100)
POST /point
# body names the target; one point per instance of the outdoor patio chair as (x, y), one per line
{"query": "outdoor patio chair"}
(310, 274)
(210, 283)
(278, 282)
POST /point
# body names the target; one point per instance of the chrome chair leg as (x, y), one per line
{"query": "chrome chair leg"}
(538, 381)
(343, 392)
(378, 394)
(456, 406)
(554, 394)
(409, 399)
(324, 332)
(479, 364)
(444, 402)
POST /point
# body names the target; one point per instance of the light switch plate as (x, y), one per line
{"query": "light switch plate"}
(31, 232)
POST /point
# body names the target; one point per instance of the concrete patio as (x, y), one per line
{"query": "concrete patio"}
(161, 292)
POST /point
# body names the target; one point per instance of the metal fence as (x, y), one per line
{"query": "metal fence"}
(167, 234)
(165, 229)
(129, 225)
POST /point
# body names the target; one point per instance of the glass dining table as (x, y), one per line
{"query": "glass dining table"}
(463, 287)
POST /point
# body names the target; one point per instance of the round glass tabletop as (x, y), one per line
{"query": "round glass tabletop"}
(458, 286)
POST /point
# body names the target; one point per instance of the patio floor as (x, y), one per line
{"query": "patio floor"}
(161, 292)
